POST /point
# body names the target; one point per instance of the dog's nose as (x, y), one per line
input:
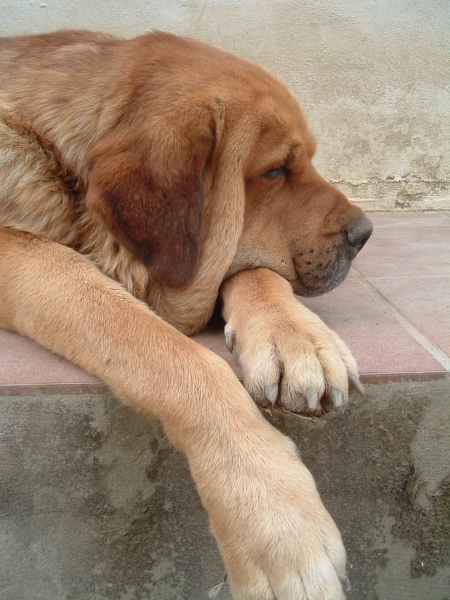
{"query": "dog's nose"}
(359, 232)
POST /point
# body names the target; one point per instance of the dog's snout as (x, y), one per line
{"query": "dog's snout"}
(359, 233)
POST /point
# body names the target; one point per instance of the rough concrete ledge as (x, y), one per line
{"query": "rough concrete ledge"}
(410, 194)
(96, 505)
(419, 204)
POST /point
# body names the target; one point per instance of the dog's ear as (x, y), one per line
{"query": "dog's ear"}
(148, 192)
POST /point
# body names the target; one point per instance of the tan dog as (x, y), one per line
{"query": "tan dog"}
(165, 170)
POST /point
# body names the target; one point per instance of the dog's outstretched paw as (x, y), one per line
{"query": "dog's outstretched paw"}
(295, 362)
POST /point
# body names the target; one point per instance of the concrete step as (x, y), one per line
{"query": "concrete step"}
(96, 505)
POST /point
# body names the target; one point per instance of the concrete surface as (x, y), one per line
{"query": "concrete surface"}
(95, 504)
(372, 75)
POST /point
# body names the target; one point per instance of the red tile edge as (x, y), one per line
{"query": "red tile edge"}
(68, 389)
(380, 378)
(51, 389)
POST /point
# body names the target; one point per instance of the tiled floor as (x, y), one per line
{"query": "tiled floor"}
(393, 311)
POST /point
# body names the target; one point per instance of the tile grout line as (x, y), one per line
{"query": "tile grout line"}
(420, 337)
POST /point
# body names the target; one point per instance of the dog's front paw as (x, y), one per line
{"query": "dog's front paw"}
(290, 358)
(277, 539)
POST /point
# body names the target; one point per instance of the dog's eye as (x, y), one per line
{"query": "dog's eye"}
(275, 173)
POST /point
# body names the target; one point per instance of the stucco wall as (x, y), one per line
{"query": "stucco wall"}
(372, 75)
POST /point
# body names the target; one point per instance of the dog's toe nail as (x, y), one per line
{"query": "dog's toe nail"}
(272, 392)
(312, 398)
(229, 340)
(346, 585)
(356, 384)
(336, 397)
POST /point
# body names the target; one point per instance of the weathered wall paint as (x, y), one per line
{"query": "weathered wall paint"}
(373, 76)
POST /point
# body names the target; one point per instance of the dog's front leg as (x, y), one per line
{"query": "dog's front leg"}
(276, 538)
(288, 355)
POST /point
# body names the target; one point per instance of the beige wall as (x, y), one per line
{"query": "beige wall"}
(372, 75)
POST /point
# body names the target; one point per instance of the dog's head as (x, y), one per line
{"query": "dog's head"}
(208, 170)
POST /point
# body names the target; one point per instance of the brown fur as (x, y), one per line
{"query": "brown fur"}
(165, 170)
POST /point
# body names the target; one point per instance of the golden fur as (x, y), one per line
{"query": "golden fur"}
(164, 171)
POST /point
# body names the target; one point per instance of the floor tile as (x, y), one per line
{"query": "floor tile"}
(23, 361)
(425, 302)
(406, 252)
(416, 220)
(378, 341)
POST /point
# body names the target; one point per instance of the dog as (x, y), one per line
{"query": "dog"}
(142, 182)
